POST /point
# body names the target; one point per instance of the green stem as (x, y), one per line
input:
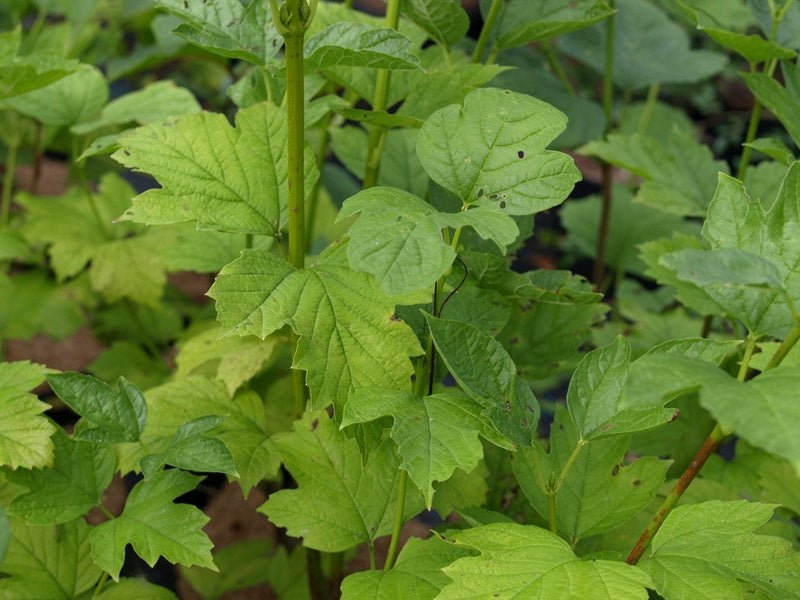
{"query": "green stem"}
(551, 511)
(486, 31)
(100, 585)
(649, 107)
(8, 184)
(398, 520)
(785, 347)
(748, 354)
(372, 563)
(105, 511)
(377, 135)
(755, 116)
(555, 485)
(321, 152)
(608, 73)
(557, 68)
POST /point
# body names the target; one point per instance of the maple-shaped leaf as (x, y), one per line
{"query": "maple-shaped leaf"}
(154, 526)
(435, 435)
(349, 336)
(223, 177)
(492, 151)
(80, 474)
(523, 561)
(48, 561)
(24, 432)
(599, 492)
(750, 273)
(353, 44)
(109, 415)
(398, 236)
(446, 21)
(340, 501)
(416, 574)
(705, 550)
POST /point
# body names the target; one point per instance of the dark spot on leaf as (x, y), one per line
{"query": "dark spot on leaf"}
(524, 423)
(525, 306)
(561, 428)
(675, 415)
(615, 470)
(502, 204)
(636, 482)
(394, 317)
(399, 219)
(126, 153)
(520, 154)
(515, 341)
(185, 5)
(314, 424)
(493, 196)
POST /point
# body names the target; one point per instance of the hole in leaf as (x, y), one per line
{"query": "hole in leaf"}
(520, 154)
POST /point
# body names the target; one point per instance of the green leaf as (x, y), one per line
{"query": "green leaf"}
(678, 171)
(228, 28)
(416, 574)
(774, 148)
(151, 104)
(223, 177)
(340, 501)
(435, 435)
(155, 526)
(32, 303)
(510, 167)
(704, 550)
(24, 432)
(754, 48)
(23, 74)
(129, 360)
(522, 561)
(244, 431)
(444, 20)
(80, 474)
(109, 415)
(241, 565)
(783, 102)
(135, 588)
(398, 237)
(191, 449)
(349, 337)
(521, 22)
(642, 29)
(67, 101)
(359, 45)
(53, 560)
(599, 492)
(485, 371)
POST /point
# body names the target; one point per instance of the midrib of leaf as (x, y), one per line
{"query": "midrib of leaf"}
(162, 537)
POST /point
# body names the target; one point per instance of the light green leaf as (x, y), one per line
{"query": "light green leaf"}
(416, 574)
(445, 20)
(24, 432)
(435, 435)
(53, 560)
(359, 45)
(783, 102)
(522, 561)
(485, 371)
(703, 550)
(135, 588)
(109, 415)
(774, 148)
(521, 22)
(223, 177)
(754, 48)
(349, 336)
(462, 490)
(228, 28)
(340, 501)
(80, 474)
(192, 449)
(32, 303)
(678, 171)
(22, 74)
(643, 30)
(237, 359)
(151, 104)
(67, 101)
(155, 526)
(492, 151)
(599, 492)
(244, 430)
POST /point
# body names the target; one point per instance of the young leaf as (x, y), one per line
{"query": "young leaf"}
(80, 474)
(642, 29)
(599, 492)
(527, 562)
(492, 151)
(754, 48)
(349, 337)
(783, 102)
(704, 550)
(445, 20)
(223, 177)
(522, 22)
(359, 45)
(435, 435)
(340, 501)
(416, 574)
(51, 561)
(485, 371)
(24, 433)
(155, 526)
(228, 28)
(110, 415)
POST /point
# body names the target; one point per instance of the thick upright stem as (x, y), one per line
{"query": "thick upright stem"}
(8, 185)
(402, 479)
(786, 346)
(377, 135)
(486, 32)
